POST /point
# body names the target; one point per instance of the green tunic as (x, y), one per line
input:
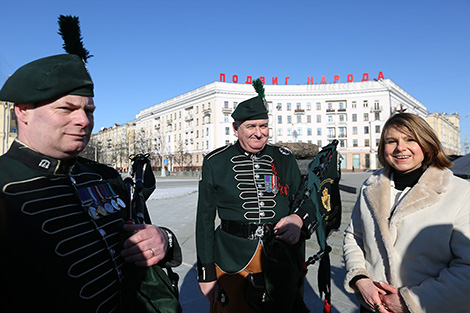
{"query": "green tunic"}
(242, 187)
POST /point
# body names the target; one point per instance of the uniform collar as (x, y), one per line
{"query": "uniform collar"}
(249, 154)
(38, 161)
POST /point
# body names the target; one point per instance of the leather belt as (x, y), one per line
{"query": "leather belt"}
(253, 231)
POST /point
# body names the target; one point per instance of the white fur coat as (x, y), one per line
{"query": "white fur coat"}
(423, 248)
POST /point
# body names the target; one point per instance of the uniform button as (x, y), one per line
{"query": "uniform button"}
(261, 203)
(112, 251)
(260, 193)
(102, 232)
(262, 214)
(257, 166)
(257, 176)
(260, 186)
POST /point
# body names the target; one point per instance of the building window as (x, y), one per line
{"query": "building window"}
(342, 143)
(318, 118)
(299, 118)
(341, 106)
(342, 132)
(279, 106)
(366, 129)
(319, 143)
(366, 117)
(235, 104)
(353, 105)
(330, 118)
(227, 130)
(299, 106)
(377, 116)
(289, 119)
(354, 142)
(279, 131)
(331, 132)
(330, 106)
(309, 106)
(365, 104)
(354, 117)
(367, 160)
(279, 119)
(377, 129)
(309, 118)
(289, 132)
(318, 105)
(318, 131)
(341, 118)
(225, 117)
(309, 131)
(289, 107)
(366, 143)
(354, 130)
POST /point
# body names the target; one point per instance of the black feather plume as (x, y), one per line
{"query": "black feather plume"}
(69, 29)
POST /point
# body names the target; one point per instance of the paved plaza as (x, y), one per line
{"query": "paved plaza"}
(174, 203)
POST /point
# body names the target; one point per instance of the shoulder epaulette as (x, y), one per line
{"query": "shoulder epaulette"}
(217, 151)
(283, 149)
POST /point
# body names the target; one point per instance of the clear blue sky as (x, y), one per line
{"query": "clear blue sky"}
(146, 52)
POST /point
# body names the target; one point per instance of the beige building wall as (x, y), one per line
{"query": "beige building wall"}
(447, 129)
(7, 125)
(113, 145)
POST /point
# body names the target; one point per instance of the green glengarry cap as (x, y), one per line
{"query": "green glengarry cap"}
(48, 78)
(251, 109)
(254, 108)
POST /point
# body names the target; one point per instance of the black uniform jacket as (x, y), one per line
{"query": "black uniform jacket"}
(60, 234)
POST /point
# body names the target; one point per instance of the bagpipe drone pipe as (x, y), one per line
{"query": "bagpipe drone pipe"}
(149, 289)
(321, 185)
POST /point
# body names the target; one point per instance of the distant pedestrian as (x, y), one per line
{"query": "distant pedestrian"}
(407, 247)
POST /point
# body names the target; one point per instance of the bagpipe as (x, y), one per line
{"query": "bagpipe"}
(321, 185)
(149, 289)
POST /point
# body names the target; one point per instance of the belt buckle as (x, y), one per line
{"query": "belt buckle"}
(259, 233)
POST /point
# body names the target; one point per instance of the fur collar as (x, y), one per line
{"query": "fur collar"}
(426, 192)
(377, 189)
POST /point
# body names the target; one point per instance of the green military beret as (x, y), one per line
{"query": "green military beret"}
(251, 109)
(48, 78)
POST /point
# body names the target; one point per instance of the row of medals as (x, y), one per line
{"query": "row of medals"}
(97, 210)
(100, 205)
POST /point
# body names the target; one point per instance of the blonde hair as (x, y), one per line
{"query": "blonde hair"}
(416, 127)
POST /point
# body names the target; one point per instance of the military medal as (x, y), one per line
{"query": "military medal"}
(87, 203)
(120, 203)
(91, 210)
(105, 194)
(270, 183)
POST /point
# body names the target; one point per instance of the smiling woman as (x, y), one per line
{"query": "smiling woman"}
(401, 208)
(407, 142)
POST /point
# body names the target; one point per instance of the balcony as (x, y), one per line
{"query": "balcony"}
(376, 108)
(226, 110)
(299, 112)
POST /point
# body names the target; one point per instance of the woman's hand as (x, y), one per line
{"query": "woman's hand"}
(372, 294)
(147, 246)
(393, 299)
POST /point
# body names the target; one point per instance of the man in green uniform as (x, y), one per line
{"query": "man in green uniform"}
(249, 185)
(63, 218)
